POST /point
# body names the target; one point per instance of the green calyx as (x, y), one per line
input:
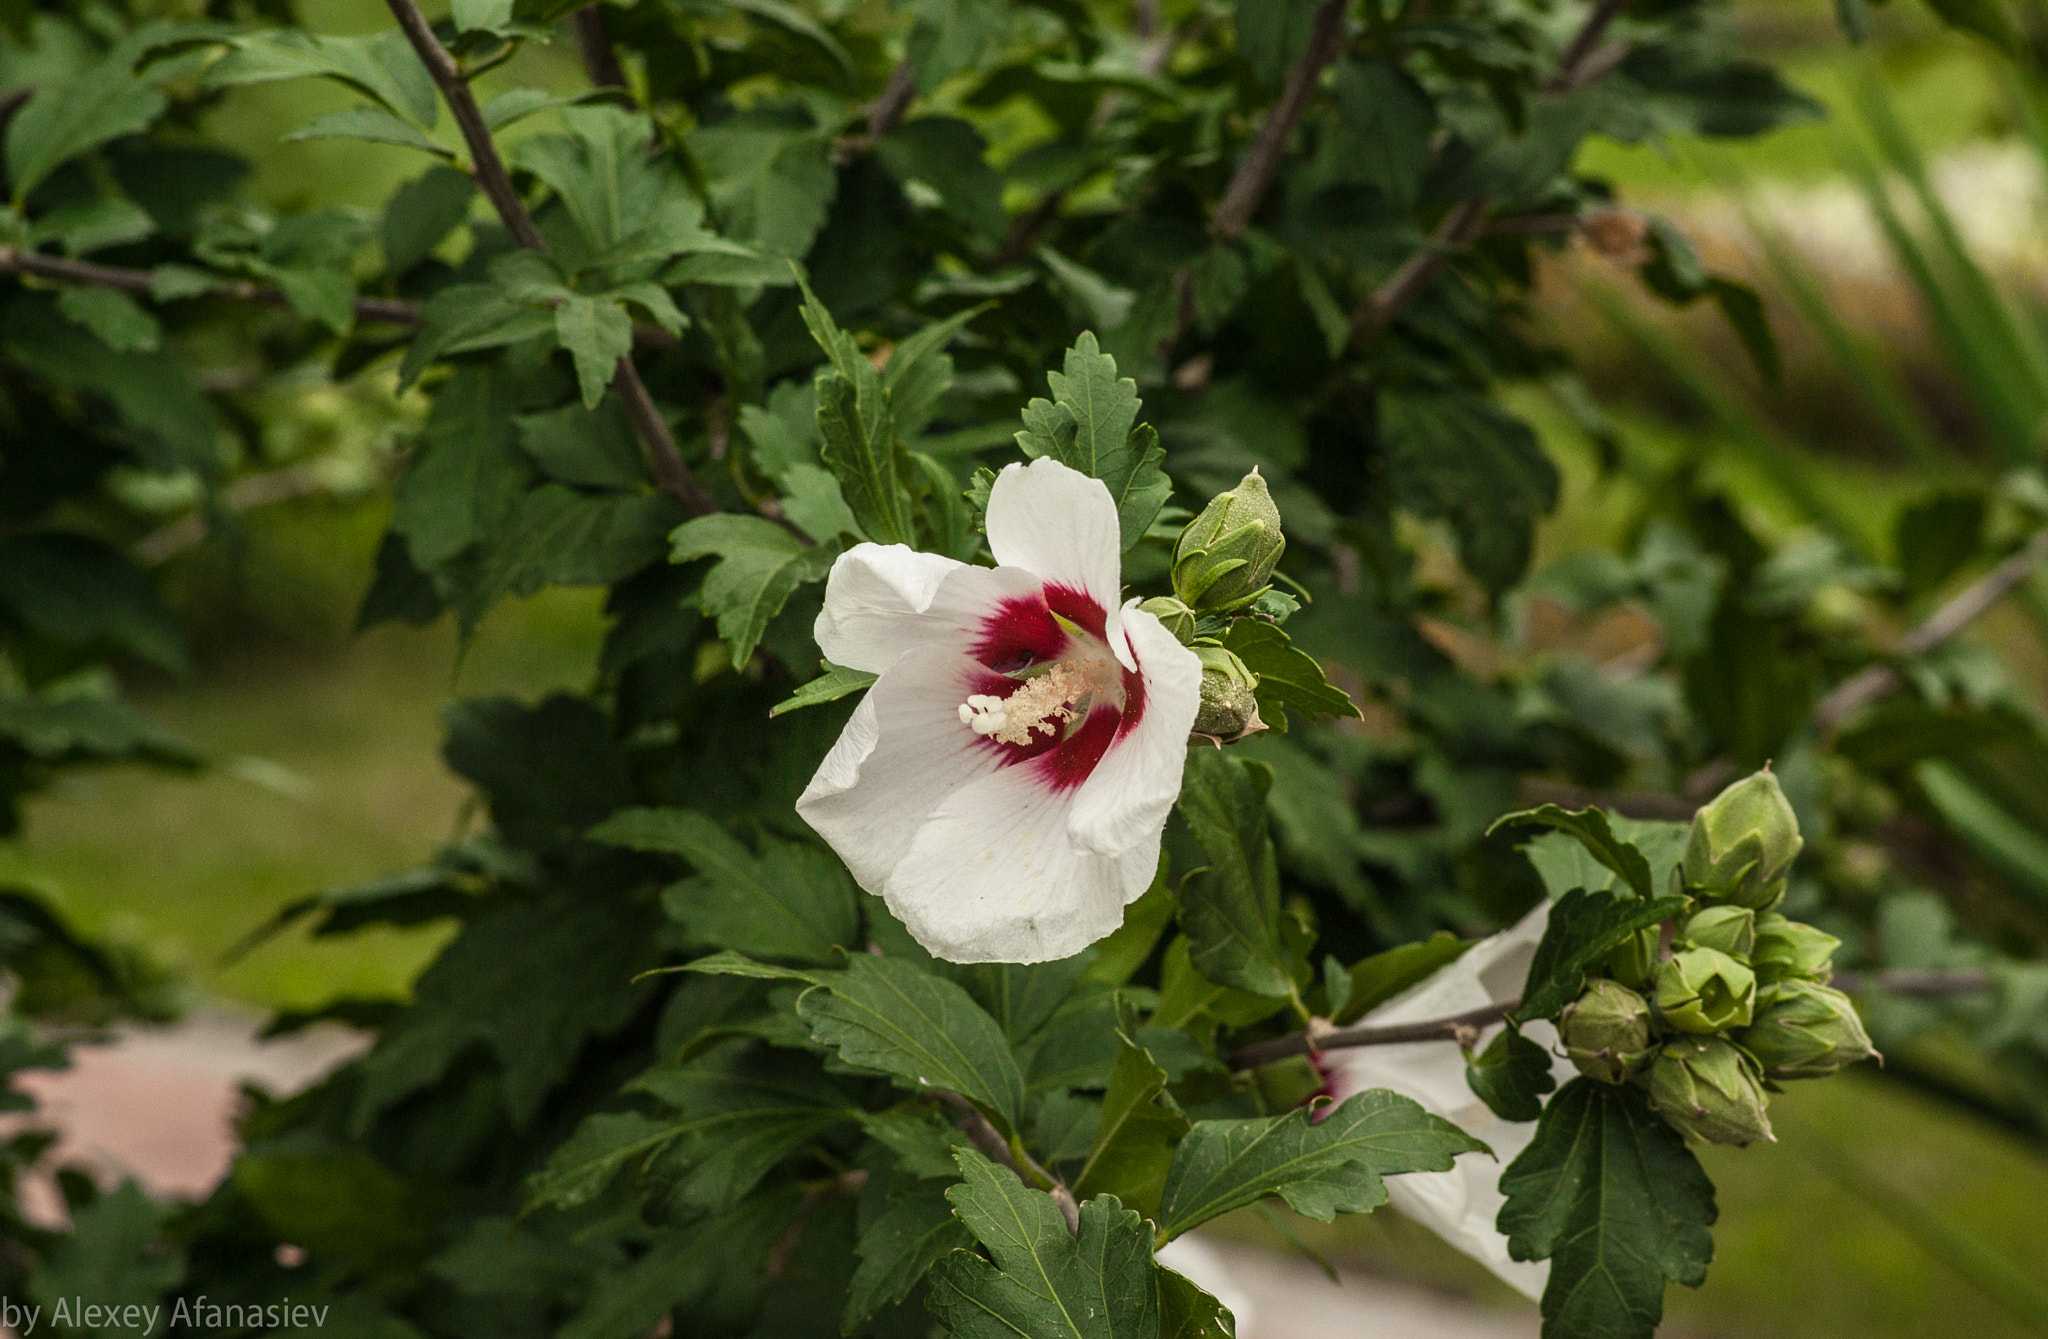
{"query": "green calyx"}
(1731, 930)
(1229, 704)
(1174, 616)
(1606, 1032)
(1806, 1031)
(1226, 556)
(1742, 845)
(1708, 1090)
(1633, 962)
(1704, 990)
(1790, 950)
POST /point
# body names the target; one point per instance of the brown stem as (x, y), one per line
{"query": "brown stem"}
(140, 282)
(257, 490)
(783, 1252)
(1255, 170)
(1578, 66)
(594, 44)
(670, 470)
(1387, 1034)
(996, 1149)
(1868, 685)
(1419, 271)
(888, 109)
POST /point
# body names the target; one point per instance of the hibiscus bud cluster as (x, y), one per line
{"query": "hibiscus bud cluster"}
(1730, 997)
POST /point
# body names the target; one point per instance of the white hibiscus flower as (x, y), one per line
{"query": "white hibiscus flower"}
(1459, 1205)
(1005, 782)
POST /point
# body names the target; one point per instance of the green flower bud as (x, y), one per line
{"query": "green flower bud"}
(1606, 1031)
(1633, 962)
(1742, 845)
(1707, 1090)
(1225, 557)
(1176, 617)
(1790, 949)
(1805, 1031)
(1732, 930)
(1704, 990)
(1229, 710)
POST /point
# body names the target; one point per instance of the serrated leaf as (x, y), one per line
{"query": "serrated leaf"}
(790, 902)
(1089, 426)
(925, 1031)
(462, 318)
(1230, 908)
(421, 213)
(1289, 678)
(121, 322)
(1135, 1139)
(1511, 1076)
(77, 590)
(915, 1232)
(597, 333)
(738, 1112)
(770, 184)
(66, 117)
(1187, 1312)
(836, 682)
(1321, 1167)
(1611, 1196)
(605, 1144)
(1459, 456)
(595, 448)
(1584, 928)
(557, 536)
(1595, 833)
(373, 124)
(466, 475)
(759, 565)
(383, 66)
(1045, 1283)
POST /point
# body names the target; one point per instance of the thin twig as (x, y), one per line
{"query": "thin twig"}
(666, 460)
(888, 109)
(1255, 170)
(594, 45)
(783, 1253)
(1578, 67)
(141, 283)
(1866, 686)
(1383, 1034)
(996, 1149)
(257, 490)
(1419, 271)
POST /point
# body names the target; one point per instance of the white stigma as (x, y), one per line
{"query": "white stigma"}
(1042, 703)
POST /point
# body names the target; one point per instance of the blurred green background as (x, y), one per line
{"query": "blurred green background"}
(324, 746)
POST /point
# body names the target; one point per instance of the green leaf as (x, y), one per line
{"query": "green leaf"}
(1089, 425)
(595, 448)
(462, 318)
(915, 1232)
(1744, 308)
(1272, 34)
(557, 536)
(466, 476)
(1379, 978)
(120, 322)
(836, 682)
(373, 124)
(1288, 677)
(1321, 1168)
(886, 1014)
(857, 428)
(770, 184)
(1460, 457)
(791, 902)
(1186, 1312)
(950, 156)
(1584, 928)
(1511, 1076)
(1230, 908)
(1045, 1283)
(82, 592)
(421, 213)
(1134, 1141)
(759, 565)
(66, 117)
(1591, 828)
(605, 1144)
(889, 1015)
(739, 1111)
(1385, 121)
(629, 204)
(1611, 1196)
(480, 15)
(597, 334)
(112, 1254)
(382, 66)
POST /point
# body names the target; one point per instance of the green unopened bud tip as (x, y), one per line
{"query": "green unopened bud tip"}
(1226, 556)
(1707, 1090)
(1742, 845)
(1606, 1031)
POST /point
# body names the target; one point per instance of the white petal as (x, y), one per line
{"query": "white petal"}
(995, 876)
(1132, 789)
(1059, 524)
(883, 600)
(870, 598)
(1462, 1204)
(899, 758)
